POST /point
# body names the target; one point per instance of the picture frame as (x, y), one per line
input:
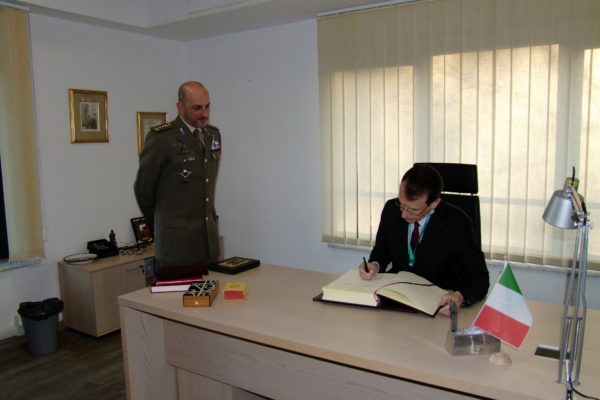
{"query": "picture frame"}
(141, 230)
(145, 121)
(89, 116)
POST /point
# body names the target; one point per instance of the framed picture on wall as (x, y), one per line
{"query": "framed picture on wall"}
(145, 121)
(89, 116)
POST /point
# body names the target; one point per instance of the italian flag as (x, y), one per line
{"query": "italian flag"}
(505, 314)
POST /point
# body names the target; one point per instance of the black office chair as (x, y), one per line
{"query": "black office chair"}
(460, 189)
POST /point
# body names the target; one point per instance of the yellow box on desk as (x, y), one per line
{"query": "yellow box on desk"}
(234, 291)
(201, 294)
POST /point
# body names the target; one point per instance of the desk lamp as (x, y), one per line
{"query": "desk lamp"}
(567, 210)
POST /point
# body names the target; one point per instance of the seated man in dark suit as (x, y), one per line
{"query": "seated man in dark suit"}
(420, 233)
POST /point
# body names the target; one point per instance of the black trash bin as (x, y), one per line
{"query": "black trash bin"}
(40, 322)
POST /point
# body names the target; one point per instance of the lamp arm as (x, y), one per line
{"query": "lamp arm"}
(579, 208)
(569, 317)
(582, 315)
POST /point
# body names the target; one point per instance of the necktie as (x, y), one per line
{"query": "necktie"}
(414, 239)
(198, 135)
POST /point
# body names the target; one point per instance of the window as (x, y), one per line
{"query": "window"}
(510, 85)
(3, 235)
(18, 146)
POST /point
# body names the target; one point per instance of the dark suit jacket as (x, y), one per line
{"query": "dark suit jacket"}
(175, 188)
(446, 256)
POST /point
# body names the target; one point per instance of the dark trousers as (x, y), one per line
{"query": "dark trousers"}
(166, 270)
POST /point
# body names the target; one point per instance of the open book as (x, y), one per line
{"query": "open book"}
(404, 287)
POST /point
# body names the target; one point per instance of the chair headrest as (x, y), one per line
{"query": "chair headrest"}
(458, 178)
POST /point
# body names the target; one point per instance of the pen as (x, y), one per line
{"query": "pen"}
(453, 316)
(366, 265)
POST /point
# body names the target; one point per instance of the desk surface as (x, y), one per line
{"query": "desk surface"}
(278, 311)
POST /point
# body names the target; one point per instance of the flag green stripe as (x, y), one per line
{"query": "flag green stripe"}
(507, 279)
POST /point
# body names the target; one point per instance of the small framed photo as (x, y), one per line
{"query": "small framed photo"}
(145, 121)
(141, 230)
(89, 116)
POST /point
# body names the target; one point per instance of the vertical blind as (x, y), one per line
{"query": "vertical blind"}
(18, 145)
(510, 85)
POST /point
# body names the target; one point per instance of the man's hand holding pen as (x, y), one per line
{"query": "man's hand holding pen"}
(368, 270)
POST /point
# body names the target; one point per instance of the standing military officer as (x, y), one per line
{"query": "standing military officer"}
(175, 186)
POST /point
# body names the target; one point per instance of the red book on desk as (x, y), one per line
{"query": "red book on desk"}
(173, 285)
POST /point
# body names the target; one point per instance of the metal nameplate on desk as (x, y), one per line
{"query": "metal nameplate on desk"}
(468, 341)
(471, 341)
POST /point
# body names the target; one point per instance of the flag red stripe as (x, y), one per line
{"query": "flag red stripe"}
(502, 326)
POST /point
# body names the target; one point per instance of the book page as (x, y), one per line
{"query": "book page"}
(351, 288)
(408, 290)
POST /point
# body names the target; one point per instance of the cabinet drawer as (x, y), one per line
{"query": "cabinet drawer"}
(109, 284)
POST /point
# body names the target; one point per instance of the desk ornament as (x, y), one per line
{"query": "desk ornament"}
(234, 291)
(469, 341)
(201, 294)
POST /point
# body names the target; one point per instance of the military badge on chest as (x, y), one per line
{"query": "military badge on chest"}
(185, 174)
(184, 157)
(215, 148)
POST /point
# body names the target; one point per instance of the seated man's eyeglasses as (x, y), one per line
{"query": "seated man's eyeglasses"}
(411, 211)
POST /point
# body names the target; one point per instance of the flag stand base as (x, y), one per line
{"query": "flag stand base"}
(471, 341)
(501, 359)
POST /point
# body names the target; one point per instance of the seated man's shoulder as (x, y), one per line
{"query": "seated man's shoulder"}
(391, 205)
(452, 212)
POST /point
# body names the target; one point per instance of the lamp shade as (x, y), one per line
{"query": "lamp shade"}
(559, 211)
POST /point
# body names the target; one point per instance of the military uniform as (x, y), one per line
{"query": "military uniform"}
(175, 189)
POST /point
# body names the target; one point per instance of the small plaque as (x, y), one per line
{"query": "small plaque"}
(234, 265)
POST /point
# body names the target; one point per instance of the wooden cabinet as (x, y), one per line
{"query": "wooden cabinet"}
(90, 291)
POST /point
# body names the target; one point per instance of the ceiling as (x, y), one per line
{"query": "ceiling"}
(185, 20)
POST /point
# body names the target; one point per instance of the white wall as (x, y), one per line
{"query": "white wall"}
(87, 189)
(264, 94)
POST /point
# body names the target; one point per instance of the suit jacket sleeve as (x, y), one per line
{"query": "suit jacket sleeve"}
(152, 160)
(472, 276)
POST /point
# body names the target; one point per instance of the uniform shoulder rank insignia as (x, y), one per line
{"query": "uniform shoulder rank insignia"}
(162, 127)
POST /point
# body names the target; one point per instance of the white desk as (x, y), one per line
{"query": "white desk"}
(280, 344)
